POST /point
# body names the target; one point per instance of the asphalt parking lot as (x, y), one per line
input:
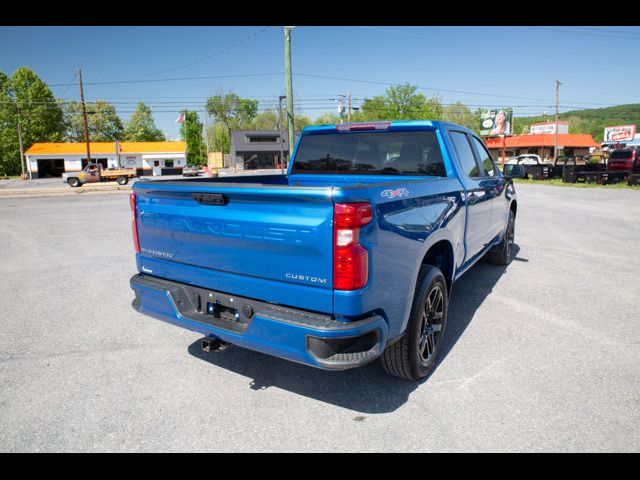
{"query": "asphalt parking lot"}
(541, 356)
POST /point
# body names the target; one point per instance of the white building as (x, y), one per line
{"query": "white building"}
(149, 158)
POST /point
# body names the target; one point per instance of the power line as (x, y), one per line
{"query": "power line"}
(371, 82)
(176, 79)
(328, 77)
(206, 57)
(623, 32)
(67, 88)
(122, 106)
(587, 34)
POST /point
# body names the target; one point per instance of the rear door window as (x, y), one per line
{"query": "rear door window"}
(485, 158)
(465, 154)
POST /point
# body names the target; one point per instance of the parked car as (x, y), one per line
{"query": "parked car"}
(349, 257)
(94, 172)
(190, 171)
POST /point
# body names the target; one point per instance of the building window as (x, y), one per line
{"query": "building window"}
(255, 161)
(263, 139)
(168, 163)
(156, 163)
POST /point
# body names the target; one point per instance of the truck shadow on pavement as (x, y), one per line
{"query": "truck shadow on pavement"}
(367, 389)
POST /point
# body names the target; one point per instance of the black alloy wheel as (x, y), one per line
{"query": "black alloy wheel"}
(431, 325)
(414, 355)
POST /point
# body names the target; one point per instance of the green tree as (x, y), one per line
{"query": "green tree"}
(232, 111)
(218, 138)
(102, 120)
(141, 127)
(400, 103)
(267, 120)
(327, 119)
(301, 121)
(461, 114)
(6, 119)
(40, 114)
(191, 132)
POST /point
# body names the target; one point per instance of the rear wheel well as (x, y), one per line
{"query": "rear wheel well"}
(440, 254)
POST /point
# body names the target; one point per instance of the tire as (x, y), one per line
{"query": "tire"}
(122, 180)
(414, 355)
(502, 254)
(74, 182)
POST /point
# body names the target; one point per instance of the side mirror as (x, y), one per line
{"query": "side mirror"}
(513, 171)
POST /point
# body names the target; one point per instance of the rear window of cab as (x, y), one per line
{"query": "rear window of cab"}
(371, 153)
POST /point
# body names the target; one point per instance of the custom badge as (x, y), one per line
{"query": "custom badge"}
(397, 193)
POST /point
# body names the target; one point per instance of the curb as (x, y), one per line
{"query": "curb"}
(60, 192)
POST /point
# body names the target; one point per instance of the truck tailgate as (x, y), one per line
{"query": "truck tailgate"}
(250, 235)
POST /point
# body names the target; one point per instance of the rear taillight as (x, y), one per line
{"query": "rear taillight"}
(134, 224)
(350, 259)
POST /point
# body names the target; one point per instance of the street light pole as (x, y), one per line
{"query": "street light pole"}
(287, 65)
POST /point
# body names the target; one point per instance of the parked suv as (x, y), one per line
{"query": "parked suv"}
(624, 159)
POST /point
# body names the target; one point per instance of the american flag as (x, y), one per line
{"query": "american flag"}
(180, 118)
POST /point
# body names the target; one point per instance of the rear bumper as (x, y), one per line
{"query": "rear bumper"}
(297, 335)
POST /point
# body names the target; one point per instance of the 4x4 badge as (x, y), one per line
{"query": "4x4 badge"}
(398, 193)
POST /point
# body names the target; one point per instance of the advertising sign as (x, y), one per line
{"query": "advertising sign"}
(549, 127)
(620, 133)
(496, 122)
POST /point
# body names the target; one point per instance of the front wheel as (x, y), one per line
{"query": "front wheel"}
(502, 254)
(414, 355)
(122, 180)
(74, 182)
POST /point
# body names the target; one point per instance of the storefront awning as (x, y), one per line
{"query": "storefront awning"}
(575, 140)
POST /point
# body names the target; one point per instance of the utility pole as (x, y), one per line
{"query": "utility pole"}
(349, 106)
(206, 134)
(280, 98)
(555, 143)
(22, 164)
(287, 66)
(84, 117)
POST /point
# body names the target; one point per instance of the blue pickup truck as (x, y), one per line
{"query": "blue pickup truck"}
(349, 257)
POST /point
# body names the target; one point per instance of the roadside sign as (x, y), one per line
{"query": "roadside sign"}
(620, 133)
(549, 127)
(496, 122)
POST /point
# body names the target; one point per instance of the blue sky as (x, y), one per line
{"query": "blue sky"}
(481, 66)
